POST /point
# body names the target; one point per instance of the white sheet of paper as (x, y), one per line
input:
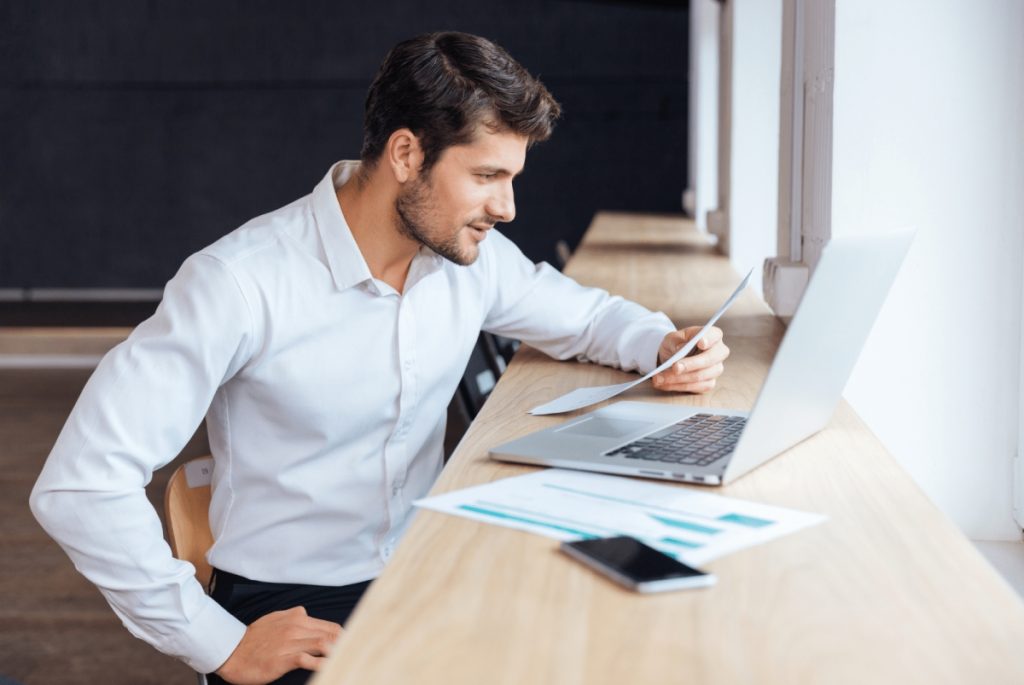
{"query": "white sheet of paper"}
(583, 397)
(570, 505)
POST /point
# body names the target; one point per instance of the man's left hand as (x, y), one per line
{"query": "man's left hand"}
(696, 372)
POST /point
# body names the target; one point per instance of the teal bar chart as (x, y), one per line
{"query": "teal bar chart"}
(571, 505)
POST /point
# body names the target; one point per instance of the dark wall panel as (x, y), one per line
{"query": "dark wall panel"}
(132, 134)
(141, 179)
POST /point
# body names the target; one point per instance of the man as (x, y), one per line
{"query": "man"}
(322, 343)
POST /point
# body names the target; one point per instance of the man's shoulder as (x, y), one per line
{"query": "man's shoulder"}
(262, 235)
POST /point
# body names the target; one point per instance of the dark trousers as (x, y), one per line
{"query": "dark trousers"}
(248, 600)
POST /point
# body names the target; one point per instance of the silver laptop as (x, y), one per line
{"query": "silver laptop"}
(799, 396)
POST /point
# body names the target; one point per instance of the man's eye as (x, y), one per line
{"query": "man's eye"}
(487, 175)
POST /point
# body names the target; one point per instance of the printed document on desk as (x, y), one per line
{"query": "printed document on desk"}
(584, 397)
(569, 505)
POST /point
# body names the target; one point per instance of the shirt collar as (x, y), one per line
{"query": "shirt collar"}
(348, 267)
(343, 256)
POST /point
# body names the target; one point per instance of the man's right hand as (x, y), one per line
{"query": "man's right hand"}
(277, 643)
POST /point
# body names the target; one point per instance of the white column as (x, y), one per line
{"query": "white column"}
(805, 150)
(750, 197)
(701, 194)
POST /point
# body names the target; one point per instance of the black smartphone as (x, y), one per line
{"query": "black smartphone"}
(635, 565)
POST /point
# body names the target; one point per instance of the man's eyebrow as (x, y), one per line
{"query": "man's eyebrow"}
(498, 170)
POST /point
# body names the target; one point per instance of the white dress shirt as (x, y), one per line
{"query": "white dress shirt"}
(324, 392)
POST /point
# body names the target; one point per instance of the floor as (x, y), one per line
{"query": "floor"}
(55, 628)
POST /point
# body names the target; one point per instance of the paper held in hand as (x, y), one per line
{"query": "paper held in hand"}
(583, 397)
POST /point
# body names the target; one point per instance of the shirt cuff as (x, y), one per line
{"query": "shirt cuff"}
(211, 638)
(642, 348)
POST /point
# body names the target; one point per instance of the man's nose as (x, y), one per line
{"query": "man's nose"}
(503, 205)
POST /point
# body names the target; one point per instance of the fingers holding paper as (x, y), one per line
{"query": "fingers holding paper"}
(697, 372)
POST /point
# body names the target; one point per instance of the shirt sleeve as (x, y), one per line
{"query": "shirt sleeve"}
(138, 410)
(544, 308)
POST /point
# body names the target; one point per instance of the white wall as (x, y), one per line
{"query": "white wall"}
(703, 124)
(1018, 510)
(754, 175)
(929, 133)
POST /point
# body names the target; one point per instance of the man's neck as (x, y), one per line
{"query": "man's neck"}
(368, 204)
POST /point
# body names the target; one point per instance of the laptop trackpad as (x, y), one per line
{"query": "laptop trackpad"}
(604, 427)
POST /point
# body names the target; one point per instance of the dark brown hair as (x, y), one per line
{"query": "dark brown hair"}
(442, 85)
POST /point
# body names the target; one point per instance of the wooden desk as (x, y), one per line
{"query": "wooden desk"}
(886, 591)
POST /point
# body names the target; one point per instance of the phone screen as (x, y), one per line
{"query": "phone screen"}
(633, 559)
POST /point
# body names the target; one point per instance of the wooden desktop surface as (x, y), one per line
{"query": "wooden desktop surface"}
(887, 590)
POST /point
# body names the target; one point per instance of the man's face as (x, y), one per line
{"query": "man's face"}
(466, 192)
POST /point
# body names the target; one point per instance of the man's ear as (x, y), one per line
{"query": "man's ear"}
(404, 155)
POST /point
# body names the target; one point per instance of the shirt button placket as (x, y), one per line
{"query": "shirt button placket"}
(395, 466)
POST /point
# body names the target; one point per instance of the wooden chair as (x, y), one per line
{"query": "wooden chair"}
(187, 511)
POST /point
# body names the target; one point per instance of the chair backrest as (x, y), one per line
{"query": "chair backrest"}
(187, 511)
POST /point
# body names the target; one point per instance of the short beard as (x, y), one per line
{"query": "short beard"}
(414, 208)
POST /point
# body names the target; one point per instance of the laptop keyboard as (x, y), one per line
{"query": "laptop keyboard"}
(700, 440)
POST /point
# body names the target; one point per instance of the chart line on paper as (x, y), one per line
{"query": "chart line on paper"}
(728, 518)
(681, 543)
(532, 522)
(686, 525)
(561, 520)
(608, 532)
(744, 520)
